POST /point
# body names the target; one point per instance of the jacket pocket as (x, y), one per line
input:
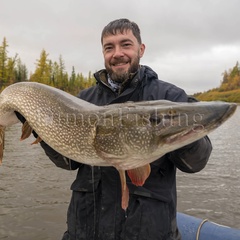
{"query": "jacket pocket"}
(147, 219)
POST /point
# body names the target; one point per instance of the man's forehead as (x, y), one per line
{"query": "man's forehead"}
(119, 36)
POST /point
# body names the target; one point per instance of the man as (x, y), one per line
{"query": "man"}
(95, 209)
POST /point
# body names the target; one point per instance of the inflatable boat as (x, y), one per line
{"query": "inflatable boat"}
(193, 228)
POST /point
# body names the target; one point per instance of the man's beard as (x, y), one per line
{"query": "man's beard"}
(123, 76)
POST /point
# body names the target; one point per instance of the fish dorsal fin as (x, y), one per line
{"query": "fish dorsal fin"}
(139, 175)
(26, 130)
(2, 135)
(38, 140)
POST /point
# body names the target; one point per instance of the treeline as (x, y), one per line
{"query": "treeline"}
(229, 89)
(11, 68)
(54, 74)
(49, 72)
(231, 79)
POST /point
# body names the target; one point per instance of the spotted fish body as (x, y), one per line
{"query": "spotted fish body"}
(128, 136)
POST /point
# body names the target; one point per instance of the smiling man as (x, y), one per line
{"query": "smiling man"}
(122, 52)
(95, 211)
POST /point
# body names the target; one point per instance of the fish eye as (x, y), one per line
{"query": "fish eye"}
(155, 119)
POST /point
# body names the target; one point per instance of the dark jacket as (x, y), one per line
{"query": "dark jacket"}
(95, 210)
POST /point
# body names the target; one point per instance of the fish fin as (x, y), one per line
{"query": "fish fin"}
(26, 130)
(38, 140)
(125, 191)
(2, 135)
(139, 175)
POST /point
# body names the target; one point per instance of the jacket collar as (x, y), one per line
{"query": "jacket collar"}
(143, 75)
(101, 77)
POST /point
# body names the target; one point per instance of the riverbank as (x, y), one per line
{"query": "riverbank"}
(215, 95)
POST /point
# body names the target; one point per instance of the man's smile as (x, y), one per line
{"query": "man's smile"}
(119, 64)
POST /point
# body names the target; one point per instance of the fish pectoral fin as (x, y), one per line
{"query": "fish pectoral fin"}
(139, 175)
(26, 130)
(125, 191)
(2, 135)
(38, 140)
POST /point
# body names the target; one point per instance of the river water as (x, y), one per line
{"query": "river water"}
(34, 194)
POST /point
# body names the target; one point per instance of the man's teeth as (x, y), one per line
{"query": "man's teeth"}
(119, 64)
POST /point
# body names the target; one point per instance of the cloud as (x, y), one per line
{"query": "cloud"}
(188, 42)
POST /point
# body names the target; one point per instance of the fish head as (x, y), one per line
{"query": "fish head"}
(183, 123)
(142, 132)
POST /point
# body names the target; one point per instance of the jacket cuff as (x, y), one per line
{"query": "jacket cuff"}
(193, 157)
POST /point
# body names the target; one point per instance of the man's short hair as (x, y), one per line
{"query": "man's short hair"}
(121, 25)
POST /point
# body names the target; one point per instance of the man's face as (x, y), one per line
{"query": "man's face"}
(122, 54)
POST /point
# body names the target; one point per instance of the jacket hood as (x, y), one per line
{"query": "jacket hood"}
(148, 72)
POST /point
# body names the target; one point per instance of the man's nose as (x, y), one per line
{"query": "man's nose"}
(118, 52)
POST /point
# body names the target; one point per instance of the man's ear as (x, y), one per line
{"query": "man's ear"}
(142, 49)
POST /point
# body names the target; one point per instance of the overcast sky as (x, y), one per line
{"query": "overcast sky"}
(188, 42)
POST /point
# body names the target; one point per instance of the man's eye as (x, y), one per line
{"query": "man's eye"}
(108, 48)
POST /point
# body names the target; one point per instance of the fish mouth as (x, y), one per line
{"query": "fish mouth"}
(230, 109)
(196, 130)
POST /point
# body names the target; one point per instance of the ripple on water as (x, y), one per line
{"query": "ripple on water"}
(34, 194)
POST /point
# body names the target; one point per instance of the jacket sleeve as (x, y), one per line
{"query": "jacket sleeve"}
(58, 159)
(193, 157)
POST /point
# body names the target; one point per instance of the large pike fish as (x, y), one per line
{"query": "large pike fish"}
(128, 136)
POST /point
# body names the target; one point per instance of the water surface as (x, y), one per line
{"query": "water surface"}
(214, 193)
(34, 194)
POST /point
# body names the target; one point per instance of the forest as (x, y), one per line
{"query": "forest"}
(54, 73)
(229, 89)
(49, 72)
